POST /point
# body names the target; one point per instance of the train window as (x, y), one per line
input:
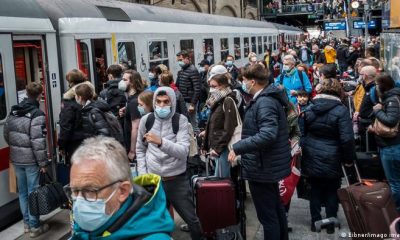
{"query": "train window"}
(276, 39)
(83, 57)
(3, 105)
(188, 46)
(270, 43)
(127, 54)
(224, 48)
(208, 50)
(265, 43)
(246, 47)
(260, 50)
(237, 49)
(253, 45)
(158, 52)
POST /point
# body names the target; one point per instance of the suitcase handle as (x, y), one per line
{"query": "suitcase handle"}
(357, 173)
(325, 222)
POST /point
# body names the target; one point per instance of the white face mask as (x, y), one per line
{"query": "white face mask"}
(213, 90)
(122, 86)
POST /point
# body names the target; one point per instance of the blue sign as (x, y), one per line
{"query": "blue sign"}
(361, 24)
(328, 26)
(310, 8)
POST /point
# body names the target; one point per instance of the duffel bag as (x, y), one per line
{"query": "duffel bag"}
(47, 197)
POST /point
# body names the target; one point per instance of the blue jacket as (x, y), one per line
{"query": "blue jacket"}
(328, 138)
(146, 215)
(265, 148)
(292, 81)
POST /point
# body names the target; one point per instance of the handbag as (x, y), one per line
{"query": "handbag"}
(46, 198)
(237, 134)
(288, 185)
(384, 131)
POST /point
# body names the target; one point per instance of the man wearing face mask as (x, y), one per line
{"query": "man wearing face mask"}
(343, 55)
(305, 54)
(203, 70)
(232, 69)
(292, 79)
(107, 203)
(265, 149)
(162, 149)
(317, 57)
(188, 83)
(353, 56)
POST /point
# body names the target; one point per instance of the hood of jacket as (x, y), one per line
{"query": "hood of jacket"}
(143, 213)
(99, 104)
(172, 96)
(323, 103)
(113, 83)
(70, 94)
(392, 92)
(25, 107)
(277, 93)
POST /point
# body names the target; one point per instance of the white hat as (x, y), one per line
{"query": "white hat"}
(216, 70)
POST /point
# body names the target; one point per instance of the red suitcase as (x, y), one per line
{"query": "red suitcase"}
(368, 206)
(215, 203)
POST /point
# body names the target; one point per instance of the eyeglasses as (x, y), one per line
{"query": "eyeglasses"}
(89, 195)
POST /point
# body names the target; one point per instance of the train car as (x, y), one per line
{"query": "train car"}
(41, 40)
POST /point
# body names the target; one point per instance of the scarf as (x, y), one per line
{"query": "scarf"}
(291, 72)
(217, 96)
(327, 96)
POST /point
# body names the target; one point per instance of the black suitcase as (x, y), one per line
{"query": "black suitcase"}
(369, 163)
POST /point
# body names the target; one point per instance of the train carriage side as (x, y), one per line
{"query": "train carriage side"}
(27, 54)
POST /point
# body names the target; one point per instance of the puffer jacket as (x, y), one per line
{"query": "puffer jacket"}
(265, 147)
(342, 54)
(92, 121)
(366, 108)
(170, 158)
(328, 138)
(188, 83)
(389, 115)
(25, 132)
(70, 129)
(221, 124)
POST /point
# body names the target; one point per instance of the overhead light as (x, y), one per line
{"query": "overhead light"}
(355, 4)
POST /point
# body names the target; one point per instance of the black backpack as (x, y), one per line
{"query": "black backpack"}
(115, 98)
(175, 122)
(114, 126)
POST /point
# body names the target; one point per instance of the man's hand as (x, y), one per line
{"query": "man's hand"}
(131, 155)
(152, 138)
(232, 156)
(122, 111)
(213, 153)
(43, 169)
(378, 107)
(191, 108)
(293, 92)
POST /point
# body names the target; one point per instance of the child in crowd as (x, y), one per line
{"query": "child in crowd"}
(303, 100)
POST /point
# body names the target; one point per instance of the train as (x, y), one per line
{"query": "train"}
(41, 40)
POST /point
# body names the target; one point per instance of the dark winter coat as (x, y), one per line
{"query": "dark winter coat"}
(318, 58)
(92, 121)
(221, 124)
(342, 54)
(328, 138)
(389, 115)
(25, 132)
(265, 147)
(188, 83)
(366, 111)
(352, 59)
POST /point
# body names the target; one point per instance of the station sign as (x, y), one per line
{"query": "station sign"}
(328, 26)
(361, 24)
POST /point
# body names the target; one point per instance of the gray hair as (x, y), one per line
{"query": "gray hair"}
(108, 151)
(289, 58)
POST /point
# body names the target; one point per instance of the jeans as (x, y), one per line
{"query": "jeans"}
(193, 119)
(223, 164)
(270, 210)
(324, 190)
(179, 194)
(390, 157)
(27, 182)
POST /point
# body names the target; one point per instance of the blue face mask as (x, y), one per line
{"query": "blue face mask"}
(244, 88)
(91, 215)
(181, 63)
(229, 63)
(163, 112)
(141, 110)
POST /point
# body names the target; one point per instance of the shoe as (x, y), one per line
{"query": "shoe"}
(313, 227)
(26, 228)
(330, 229)
(184, 228)
(36, 232)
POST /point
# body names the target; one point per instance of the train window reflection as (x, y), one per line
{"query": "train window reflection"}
(83, 57)
(246, 47)
(270, 43)
(237, 49)
(127, 54)
(224, 48)
(188, 46)
(253, 45)
(3, 105)
(265, 43)
(259, 45)
(208, 50)
(158, 52)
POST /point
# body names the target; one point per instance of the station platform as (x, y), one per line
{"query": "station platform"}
(299, 220)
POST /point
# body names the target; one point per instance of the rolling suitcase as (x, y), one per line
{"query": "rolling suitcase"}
(369, 163)
(368, 205)
(215, 203)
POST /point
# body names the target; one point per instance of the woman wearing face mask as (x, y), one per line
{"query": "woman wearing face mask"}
(70, 136)
(221, 124)
(153, 79)
(252, 59)
(145, 103)
(132, 84)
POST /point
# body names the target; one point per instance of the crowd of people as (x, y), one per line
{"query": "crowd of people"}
(297, 96)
